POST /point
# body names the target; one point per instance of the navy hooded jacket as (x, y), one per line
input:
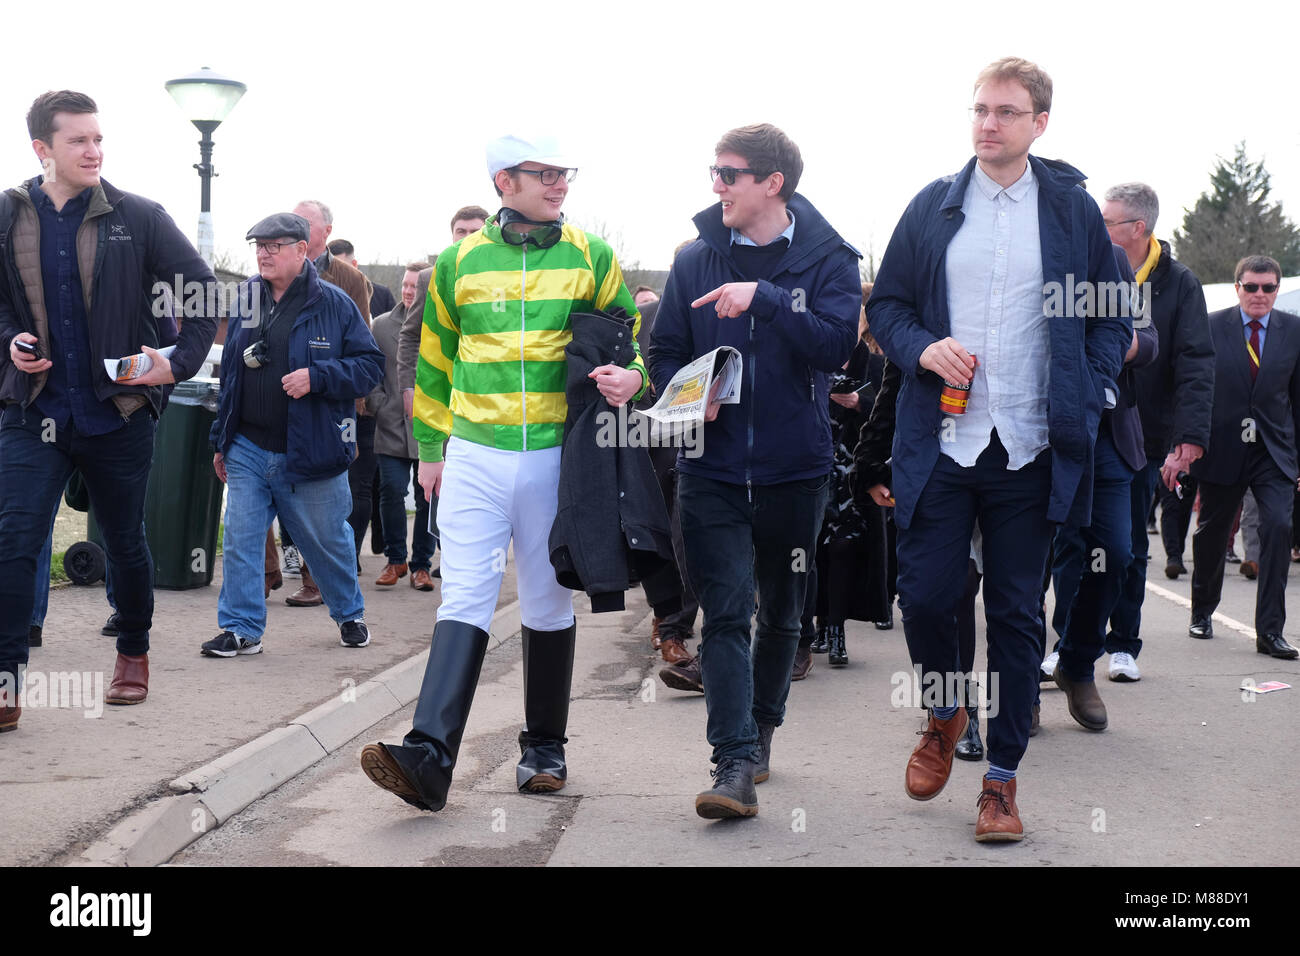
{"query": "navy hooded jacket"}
(908, 311)
(799, 329)
(328, 337)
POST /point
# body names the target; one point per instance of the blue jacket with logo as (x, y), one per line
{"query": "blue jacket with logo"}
(908, 311)
(799, 329)
(328, 337)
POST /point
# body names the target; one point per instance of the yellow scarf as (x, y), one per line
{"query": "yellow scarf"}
(1153, 256)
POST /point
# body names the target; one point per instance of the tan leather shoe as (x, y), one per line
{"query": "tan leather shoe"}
(655, 641)
(931, 762)
(1249, 569)
(674, 650)
(999, 817)
(421, 580)
(9, 718)
(306, 596)
(130, 680)
(391, 575)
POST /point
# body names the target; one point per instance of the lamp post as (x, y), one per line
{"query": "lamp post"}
(206, 98)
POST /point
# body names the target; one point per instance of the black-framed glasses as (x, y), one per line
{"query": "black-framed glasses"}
(1268, 288)
(728, 174)
(1122, 222)
(273, 247)
(543, 235)
(550, 177)
(1005, 115)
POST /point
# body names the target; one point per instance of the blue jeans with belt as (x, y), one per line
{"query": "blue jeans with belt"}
(734, 544)
(36, 462)
(316, 514)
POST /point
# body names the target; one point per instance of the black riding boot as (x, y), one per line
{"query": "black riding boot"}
(970, 747)
(548, 678)
(838, 649)
(427, 755)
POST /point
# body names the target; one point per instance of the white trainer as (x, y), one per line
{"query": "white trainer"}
(1048, 666)
(1124, 668)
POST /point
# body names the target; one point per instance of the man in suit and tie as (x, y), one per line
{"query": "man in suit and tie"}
(1256, 419)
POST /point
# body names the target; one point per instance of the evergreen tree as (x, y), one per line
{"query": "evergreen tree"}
(1235, 219)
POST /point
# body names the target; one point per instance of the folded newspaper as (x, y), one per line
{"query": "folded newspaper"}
(686, 398)
(133, 366)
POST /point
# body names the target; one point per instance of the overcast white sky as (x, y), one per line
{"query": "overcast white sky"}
(381, 109)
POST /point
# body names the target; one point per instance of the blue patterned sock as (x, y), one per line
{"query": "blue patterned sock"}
(1000, 775)
(945, 713)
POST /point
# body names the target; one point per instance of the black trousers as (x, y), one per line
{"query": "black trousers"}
(1275, 495)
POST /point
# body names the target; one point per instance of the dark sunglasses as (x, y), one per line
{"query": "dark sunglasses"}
(1268, 288)
(728, 174)
(543, 235)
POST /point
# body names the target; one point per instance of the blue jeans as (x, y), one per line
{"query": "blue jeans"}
(116, 470)
(1126, 619)
(395, 474)
(1091, 563)
(316, 514)
(733, 544)
(933, 558)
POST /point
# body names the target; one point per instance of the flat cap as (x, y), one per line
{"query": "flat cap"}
(281, 225)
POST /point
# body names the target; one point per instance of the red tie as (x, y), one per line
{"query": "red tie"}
(1253, 352)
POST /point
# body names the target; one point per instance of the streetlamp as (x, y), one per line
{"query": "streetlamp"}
(206, 98)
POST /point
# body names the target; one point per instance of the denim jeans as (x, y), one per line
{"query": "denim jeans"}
(315, 512)
(33, 472)
(732, 545)
(933, 559)
(1126, 619)
(395, 475)
(1091, 563)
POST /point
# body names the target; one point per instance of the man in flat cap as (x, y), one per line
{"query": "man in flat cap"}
(296, 358)
(490, 382)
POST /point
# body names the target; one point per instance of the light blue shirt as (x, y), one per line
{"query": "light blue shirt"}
(1263, 332)
(994, 268)
(737, 239)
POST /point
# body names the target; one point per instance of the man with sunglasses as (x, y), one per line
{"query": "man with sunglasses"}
(771, 278)
(962, 297)
(490, 383)
(1255, 421)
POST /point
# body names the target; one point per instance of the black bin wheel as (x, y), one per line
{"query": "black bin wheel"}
(84, 563)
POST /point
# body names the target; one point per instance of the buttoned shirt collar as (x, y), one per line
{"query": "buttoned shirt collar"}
(738, 239)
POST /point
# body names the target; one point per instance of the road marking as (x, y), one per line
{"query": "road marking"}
(1185, 602)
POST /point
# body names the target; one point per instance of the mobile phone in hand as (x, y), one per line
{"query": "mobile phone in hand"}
(31, 348)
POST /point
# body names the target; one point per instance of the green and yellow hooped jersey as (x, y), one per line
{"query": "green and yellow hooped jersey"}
(496, 321)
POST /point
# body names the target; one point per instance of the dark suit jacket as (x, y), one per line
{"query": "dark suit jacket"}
(1273, 403)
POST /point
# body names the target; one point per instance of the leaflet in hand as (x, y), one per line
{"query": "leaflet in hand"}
(686, 397)
(133, 366)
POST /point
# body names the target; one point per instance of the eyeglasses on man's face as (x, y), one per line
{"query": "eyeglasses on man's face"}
(272, 247)
(1005, 115)
(1268, 288)
(728, 174)
(549, 177)
(1122, 222)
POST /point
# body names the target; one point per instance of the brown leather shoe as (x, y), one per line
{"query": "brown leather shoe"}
(684, 676)
(9, 718)
(392, 574)
(306, 596)
(130, 680)
(803, 663)
(655, 641)
(1249, 569)
(999, 817)
(674, 650)
(931, 761)
(1086, 706)
(274, 581)
(421, 580)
